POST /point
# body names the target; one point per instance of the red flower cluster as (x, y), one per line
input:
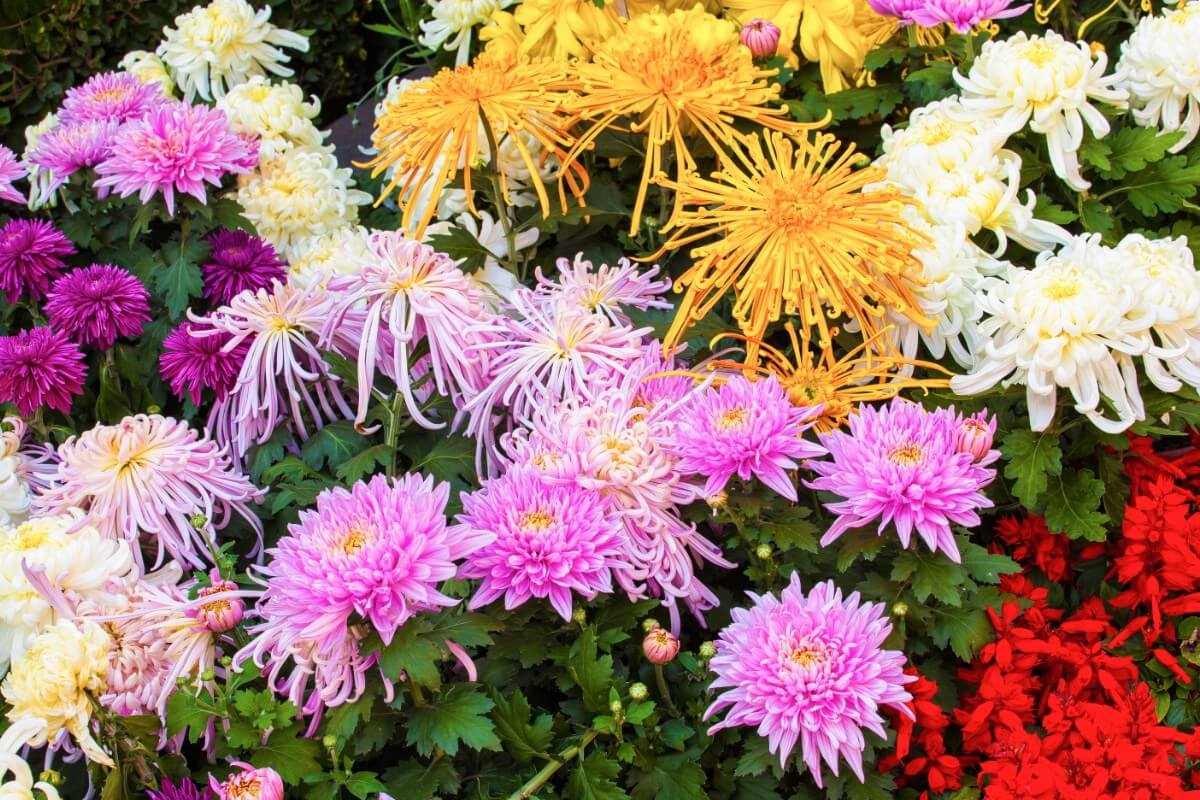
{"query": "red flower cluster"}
(929, 767)
(1031, 543)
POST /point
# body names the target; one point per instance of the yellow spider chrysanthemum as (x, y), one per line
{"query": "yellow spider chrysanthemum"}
(440, 125)
(838, 385)
(671, 76)
(555, 29)
(797, 234)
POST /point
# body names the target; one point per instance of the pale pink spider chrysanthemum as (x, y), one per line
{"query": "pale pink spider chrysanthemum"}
(604, 289)
(11, 170)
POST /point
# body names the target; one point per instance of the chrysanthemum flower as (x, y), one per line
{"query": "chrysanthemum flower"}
(69, 147)
(191, 363)
(901, 464)
(316, 259)
(149, 476)
(797, 236)
(109, 97)
(276, 113)
(237, 262)
(1049, 83)
(175, 148)
(411, 294)
(148, 67)
(548, 540)
(438, 126)
(31, 257)
(1160, 69)
(218, 46)
(178, 790)
(21, 785)
(11, 170)
(809, 670)
(23, 469)
(451, 22)
(559, 30)
(40, 367)
(604, 289)
(963, 15)
(671, 73)
(249, 784)
(97, 304)
(744, 428)
(40, 180)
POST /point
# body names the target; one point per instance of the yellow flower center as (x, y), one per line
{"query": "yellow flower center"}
(536, 521)
(907, 454)
(25, 538)
(794, 207)
(279, 324)
(1039, 53)
(355, 540)
(731, 419)
(1064, 286)
(807, 655)
(937, 132)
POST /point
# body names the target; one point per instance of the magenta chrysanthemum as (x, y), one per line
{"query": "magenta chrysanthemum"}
(809, 670)
(40, 367)
(11, 170)
(97, 304)
(148, 476)
(31, 257)
(900, 9)
(183, 790)
(550, 540)
(110, 97)
(744, 428)
(902, 464)
(191, 363)
(604, 289)
(67, 148)
(175, 148)
(238, 262)
(963, 15)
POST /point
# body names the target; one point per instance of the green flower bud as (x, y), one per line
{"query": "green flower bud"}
(900, 609)
(616, 707)
(708, 650)
(763, 551)
(198, 521)
(637, 691)
(329, 741)
(52, 777)
(649, 625)
(579, 616)
(208, 675)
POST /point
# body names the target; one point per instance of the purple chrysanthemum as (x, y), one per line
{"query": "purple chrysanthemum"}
(809, 670)
(900, 9)
(31, 257)
(903, 464)
(40, 367)
(606, 290)
(183, 790)
(238, 261)
(10, 170)
(111, 97)
(550, 539)
(744, 428)
(175, 148)
(190, 363)
(69, 147)
(963, 15)
(97, 304)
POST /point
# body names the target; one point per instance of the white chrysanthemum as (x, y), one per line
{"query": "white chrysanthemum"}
(940, 135)
(1072, 322)
(150, 68)
(1160, 68)
(22, 784)
(215, 47)
(81, 562)
(274, 112)
(55, 681)
(1049, 83)
(299, 194)
(41, 180)
(451, 23)
(341, 252)
(490, 235)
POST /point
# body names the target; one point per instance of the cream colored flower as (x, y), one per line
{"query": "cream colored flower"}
(215, 47)
(54, 682)
(341, 252)
(1049, 83)
(1160, 68)
(941, 135)
(276, 113)
(149, 68)
(21, 786)
(490, 235)
(451, 22)
(41, 180)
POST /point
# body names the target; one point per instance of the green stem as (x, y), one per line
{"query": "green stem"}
(547, 772)
(661, 679)
(417, 694)
(969, 51)
(497, 192)
(393, 431)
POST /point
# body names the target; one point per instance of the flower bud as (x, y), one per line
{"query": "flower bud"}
(649, 625)
(637, 691)
(250, 784)
(761, 37)
(208, 676)
(660, 646)
(329, 741)
(763, 551)
(616, 707)
(708, 650)
(717, 501)
(52, 777)
(222, 614)
(900, 609)
(579, 616)
(198, 521)
(975, 435)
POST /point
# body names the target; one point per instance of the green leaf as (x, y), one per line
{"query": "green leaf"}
(1162, 187)
(363, 464)
(1096, 218)
(364, 784)
(334, 444)
(290, 754)
(860, 542)
(1052, 212)
(759, 787)
(1133, 149)
(184, 711)
(674, 777)
(459, 715)
(932, 574)
(756, 759)
(590, 672)
(522, 738)
(458, 243)
(469, 629)
(1072, 505)
(269, 452)
(451, 457)
(983, 566)
(964, 630)
(1033, 458)
(414, 781)
(675, 733)
(179, 279)
(594, 778)
(410, 653)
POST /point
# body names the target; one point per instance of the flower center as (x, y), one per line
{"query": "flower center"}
(1039, 53)
(1063, 287)
(937, 132)
(24, 540)
(536, 521)
(731, 419)
(355, 540)
(907, 454)
(279, 324)
(794, 207)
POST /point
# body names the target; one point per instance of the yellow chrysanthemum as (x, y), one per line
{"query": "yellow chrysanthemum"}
(433, 129)
(671, 76)
(555, 29)
(798, 235)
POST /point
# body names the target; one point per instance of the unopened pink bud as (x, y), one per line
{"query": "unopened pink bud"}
(660, 646)
(975, 436)
(250, 784)
(761, 37)
(222, 614)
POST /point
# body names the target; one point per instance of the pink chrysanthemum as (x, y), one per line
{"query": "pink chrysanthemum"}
(744, 428)
(901, 464)
(111, 97)
(809, 670)
(963, 15)
(238, 262)
(550, 539)
(67, 148)
(191, 363)
(606, 290)
(180, 790)
(40, 367)
(97, 304)
(31, 257)
(175, 148)
(412, 294)
(657, 381)
(148, 476)
(11, 170)
(900, 9)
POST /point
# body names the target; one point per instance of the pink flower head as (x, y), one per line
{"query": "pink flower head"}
(40, 367)
(97, 304)
(658, 382)
(174, 148)
(974, 435)
(809, 670)
(191, 363)
(147, 476)
(964, 15)
(900, 464)
(238, 262)
(761, 37)
(744, 428)
(69, 147)
(224, 611)
(110, 97)
(605, 290)
(31, 257)
(10, 170)
(412, 295)
(180, 790)
(249, 784)
(548, 540)
(903, 10)
(660, 646)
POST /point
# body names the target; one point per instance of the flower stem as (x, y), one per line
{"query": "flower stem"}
(497, 192)
(547, 772)
(661, 679)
